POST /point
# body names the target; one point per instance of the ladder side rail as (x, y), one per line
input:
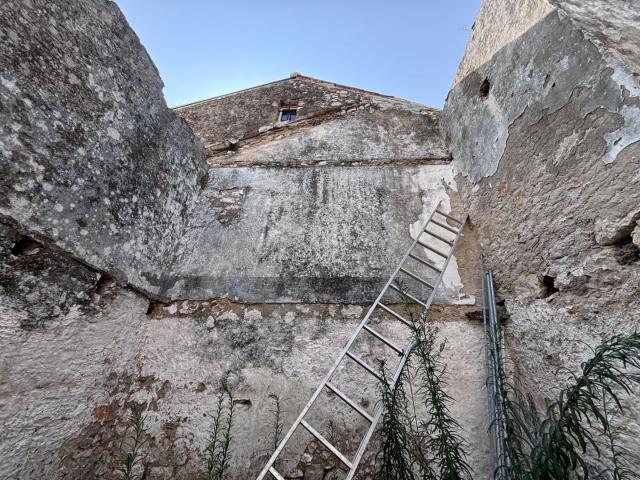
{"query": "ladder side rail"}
(346, 348)
(378, 413)
(403, 361)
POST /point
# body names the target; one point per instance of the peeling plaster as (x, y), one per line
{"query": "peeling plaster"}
(434, 183)
(629, 133)
(536, 87)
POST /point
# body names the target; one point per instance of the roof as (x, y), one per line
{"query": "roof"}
(298, 76)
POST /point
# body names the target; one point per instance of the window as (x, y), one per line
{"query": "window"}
(288, 114)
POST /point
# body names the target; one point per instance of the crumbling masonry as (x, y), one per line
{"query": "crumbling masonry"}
(144, 250)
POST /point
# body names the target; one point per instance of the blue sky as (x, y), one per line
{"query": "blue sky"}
(409, 49)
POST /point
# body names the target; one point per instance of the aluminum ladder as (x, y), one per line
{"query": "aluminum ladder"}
(440, 219)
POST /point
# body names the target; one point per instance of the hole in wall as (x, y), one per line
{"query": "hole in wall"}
(151, 307)
(25, 246)
(548, 286)
(474, 316)
(627, 252)
(242, 403)
(104, 283)
(484, 88)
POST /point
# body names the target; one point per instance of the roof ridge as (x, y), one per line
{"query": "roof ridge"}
(296, 75)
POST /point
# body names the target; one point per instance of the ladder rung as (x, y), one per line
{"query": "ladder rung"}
(408, 295)
(275, 474)
(425, 263)
(383, 339)
(442, 239)
(445, 226)
(397, 315)
(366, 366)
(326, 443)
(449, 217)
(349, 402)
(434, 250)
(420, 279)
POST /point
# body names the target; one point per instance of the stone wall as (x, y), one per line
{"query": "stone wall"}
(514, 17)
(68, 341)
(405, 130)
(107, 207)
(307, 234)
(319, 209)
(613, 25)
(92, 158)
(99, 166)
(545, 139)
(77, 349)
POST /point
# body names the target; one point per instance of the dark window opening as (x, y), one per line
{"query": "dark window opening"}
(288, 114)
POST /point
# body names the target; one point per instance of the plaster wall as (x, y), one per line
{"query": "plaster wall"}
(307, 234)
(67, 381)
(547, 161)
(386, 133)
(68, 346)
(106, 187)
(613, 25)
(254, 113)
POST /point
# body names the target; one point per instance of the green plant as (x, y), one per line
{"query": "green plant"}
(277, 421)
(432, 445)
(131, 461)
(621, 469)
(393, 456)
(444, 456)
(218, 453)
(556, 450)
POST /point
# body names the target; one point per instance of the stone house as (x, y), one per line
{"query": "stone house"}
(144, 250)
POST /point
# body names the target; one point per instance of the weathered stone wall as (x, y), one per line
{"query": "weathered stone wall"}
(404, 133)
(613, 25)
(91, 156)
(306, 234)
(105, 186)
(67, 381)
(96, 163)
(497, 24)
(319, 209)
(544, 136)
(286, 350)
(244, 113)
(404, 130)
(68, 343)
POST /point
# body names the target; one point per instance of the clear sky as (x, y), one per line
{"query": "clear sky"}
(406, 48)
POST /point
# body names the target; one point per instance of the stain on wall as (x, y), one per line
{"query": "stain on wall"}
(91, 156)
(547, 167)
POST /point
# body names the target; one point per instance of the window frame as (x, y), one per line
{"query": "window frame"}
(288, 109)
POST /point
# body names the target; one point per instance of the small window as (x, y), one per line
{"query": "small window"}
(288, 114)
